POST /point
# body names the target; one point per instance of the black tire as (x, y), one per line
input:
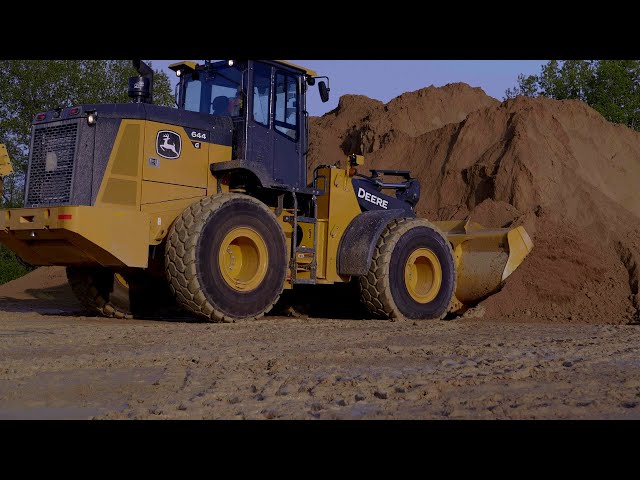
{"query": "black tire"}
(102, 291)
(193, 254)
(384, 289)
(99, 290)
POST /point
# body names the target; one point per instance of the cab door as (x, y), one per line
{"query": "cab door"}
(259, 149)
(287, 158)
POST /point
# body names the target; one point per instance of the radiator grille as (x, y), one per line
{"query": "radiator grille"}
(51, 167)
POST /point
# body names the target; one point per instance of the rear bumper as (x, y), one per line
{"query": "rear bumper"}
(68, 236)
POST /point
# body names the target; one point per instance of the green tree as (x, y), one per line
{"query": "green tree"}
(31, 86)
(527, 86)
(10, 268)
(616, 91)
(612, 87)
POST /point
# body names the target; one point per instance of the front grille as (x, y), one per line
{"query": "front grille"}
(51, 165)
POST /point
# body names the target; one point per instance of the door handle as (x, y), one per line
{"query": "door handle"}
(305, 114)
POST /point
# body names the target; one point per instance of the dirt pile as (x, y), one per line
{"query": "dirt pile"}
(362, 125)
(44, 283)
(557, 167)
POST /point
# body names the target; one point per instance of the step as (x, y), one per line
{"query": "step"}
(304, 281)
(289, 219)
(305, 250)
(305, 267)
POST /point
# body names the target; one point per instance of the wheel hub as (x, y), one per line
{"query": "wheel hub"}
(243, 259)
(423, 275)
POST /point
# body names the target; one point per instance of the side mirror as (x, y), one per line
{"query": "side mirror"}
(324, 92)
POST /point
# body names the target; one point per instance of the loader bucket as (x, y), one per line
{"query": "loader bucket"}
(484, 257)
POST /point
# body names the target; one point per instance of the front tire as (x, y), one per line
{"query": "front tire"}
(226, 258)
(412, 273)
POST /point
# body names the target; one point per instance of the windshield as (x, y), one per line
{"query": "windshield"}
(216, 92)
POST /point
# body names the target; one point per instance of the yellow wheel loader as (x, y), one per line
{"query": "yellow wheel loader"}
(209, 205)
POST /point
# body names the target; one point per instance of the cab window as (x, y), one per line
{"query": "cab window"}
(216, 92)
(192, 96)
(286, 105)
(261, 91)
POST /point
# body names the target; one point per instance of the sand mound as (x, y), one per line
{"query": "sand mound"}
(360, 124)
(557, 167)
(43, 283)
(569, 277)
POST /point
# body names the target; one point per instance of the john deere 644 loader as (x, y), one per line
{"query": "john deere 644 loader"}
(213, 199)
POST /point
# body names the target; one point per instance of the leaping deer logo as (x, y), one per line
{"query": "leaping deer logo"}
(168, 146)
(165, 147)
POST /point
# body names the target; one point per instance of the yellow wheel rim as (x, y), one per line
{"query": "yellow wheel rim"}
(423, 275)
(120, 279)
(243, 259)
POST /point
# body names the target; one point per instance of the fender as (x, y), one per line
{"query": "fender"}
(360, 237)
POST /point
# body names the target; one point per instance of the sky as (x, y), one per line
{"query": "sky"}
(386, 79)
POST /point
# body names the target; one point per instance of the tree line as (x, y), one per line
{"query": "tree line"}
(612, 87)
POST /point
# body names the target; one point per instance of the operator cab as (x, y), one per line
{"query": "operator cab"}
(266, 101)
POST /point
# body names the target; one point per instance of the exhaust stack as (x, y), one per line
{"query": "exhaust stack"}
(141, 87)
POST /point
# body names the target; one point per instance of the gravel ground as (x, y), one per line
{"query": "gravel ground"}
(59, 364)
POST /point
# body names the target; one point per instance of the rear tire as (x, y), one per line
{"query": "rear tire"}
(412, 273)
(226, 258)
(101, 291)
(124, 294)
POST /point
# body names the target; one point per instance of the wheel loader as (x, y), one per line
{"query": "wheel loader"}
(209, 204)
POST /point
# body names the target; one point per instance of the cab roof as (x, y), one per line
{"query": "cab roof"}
(311, 73)
(193, 65)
